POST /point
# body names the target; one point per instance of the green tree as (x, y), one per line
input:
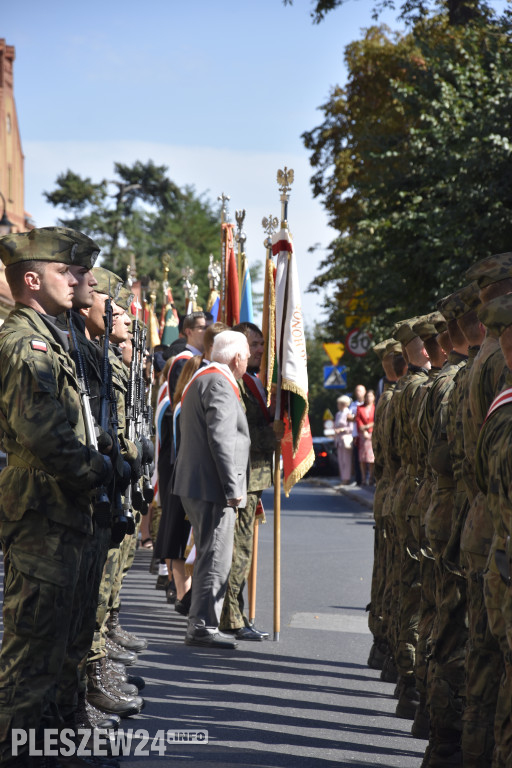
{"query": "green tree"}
(412, 162)
(142, 212)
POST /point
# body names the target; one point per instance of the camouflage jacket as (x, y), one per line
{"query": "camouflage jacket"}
(454, 426)
(494, 466)
(263, 442)
(50, 469)
(407, 415)
(436, 415)
(378, 442)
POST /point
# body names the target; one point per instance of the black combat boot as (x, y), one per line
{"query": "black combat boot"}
(119, 670)
(109, 699)
(378, 653)
(408, 698)
(116, 653)
(87, 716)
(121, 636)
(389, 672)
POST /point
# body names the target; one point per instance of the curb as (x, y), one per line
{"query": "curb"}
(362, 495)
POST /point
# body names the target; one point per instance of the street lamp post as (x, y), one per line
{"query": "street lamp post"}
(5, 225)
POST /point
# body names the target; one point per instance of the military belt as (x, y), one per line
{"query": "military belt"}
(445, 482)
(16, 461)
(502, 559)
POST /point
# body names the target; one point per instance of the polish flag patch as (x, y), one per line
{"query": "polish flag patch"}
(39, 345)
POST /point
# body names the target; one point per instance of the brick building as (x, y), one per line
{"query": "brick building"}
(11, 163)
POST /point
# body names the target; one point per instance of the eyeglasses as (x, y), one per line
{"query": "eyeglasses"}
(199, 328)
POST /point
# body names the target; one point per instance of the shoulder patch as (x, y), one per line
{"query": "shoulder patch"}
(39, 345)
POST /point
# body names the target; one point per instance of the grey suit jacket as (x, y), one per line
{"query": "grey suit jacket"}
(213, 457)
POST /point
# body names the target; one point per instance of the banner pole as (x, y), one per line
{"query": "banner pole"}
(277, 543)
(253, 576)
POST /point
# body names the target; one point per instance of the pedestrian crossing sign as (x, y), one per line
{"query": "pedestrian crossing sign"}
(335, 377)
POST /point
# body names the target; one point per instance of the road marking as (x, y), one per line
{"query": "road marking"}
(333, 622)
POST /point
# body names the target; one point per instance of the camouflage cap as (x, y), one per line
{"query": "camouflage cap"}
(497, 313)
(460, 302)
(57, 244)
(491, 270)
(438, 321)
(393, 348)
(425, 328)
(403, 331)
(86, 252)
(105, 279)
(125, 298)
(380, 349)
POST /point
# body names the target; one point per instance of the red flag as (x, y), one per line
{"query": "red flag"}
(232, 291)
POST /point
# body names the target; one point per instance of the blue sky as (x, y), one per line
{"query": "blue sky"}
(220, 92)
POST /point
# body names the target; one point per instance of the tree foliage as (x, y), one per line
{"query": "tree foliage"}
(412, 162)
(458, 12)
(141, 212)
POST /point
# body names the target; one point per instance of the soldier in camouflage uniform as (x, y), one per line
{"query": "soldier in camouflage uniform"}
(263, 445)
(392, 471)
(494, 477)
(483, 656)
(45, 491)
(104, 688)
(445, 673)
(405, 517)
(429, 334)
(386, 351)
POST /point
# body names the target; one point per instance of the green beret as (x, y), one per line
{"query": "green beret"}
(438, 321)
(491, 270)
(425, 328)
(56, 244)
(124, 298)
(393, 348)
(403, 331)
(497, 313)
(460, 302)
(107, 280)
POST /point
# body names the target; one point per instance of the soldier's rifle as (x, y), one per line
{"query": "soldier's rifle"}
(102, 507)
(123, 521)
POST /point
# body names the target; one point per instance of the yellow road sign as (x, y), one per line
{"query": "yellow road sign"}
(334, 351)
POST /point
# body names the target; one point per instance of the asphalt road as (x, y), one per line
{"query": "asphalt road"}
(307, 700)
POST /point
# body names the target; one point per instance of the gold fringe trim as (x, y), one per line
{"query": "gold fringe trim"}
(298, 472)
(290, 386)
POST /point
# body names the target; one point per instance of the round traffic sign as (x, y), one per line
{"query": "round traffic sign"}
(358, 342)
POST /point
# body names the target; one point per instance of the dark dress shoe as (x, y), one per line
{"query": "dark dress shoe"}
(183, 606)
(211, 640)
(250, 633)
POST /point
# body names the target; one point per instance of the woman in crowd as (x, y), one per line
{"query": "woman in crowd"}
(364, 421)
(343, 438)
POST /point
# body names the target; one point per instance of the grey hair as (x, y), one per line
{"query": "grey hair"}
(227, 345)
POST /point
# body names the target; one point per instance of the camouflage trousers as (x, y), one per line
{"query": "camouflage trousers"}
(41, 563)
(409, 591)
(390, 616)
(97, 650)
(126, 555)
(425, 623)
(375, 607)
(484, 668)
(498, 604)
(92, 561)
(446, 679)
(232, 616)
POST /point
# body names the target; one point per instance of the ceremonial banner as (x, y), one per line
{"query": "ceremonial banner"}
(231, 289)
(297, 444)
(169, 321)
(268, 327)
(246, 309)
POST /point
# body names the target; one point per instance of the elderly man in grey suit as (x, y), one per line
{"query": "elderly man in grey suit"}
(211, 477)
